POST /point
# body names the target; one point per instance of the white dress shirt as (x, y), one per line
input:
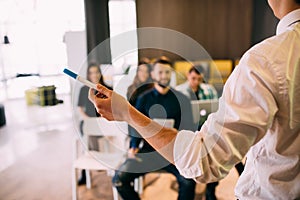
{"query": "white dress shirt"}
(259, 115)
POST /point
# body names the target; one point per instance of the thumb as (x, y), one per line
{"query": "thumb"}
(92, 95)
(103, 90)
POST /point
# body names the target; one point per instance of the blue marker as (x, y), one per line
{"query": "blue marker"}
(79, 78)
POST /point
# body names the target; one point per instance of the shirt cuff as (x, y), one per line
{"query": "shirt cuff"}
(187, 154)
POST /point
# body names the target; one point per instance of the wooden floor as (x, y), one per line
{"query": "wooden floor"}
(36, 158)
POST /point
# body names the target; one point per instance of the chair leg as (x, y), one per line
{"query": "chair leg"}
(115, 193)
(74, 184)
(88, 179)
(138, 185)
(111, 173)
(141, 184)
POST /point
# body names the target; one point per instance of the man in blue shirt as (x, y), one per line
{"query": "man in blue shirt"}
(159, 102)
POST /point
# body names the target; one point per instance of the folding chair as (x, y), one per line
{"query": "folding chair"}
(108, 160)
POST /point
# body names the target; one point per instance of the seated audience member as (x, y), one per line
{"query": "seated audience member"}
(159, 102)
(195, 87)
(141, 83)
(87, 109)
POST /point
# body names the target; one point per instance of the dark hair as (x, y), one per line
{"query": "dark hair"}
(99, 70)
(198, 69)
(163, 60)
(297, 1)
(132, 89)
(144, 60)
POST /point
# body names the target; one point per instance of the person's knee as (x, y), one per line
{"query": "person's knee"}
(121, 178)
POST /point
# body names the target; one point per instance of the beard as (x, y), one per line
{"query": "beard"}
(163, 85)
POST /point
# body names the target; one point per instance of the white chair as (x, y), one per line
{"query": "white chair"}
(138, 182)
(108, 160)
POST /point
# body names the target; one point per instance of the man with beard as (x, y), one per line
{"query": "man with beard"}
(162, 102)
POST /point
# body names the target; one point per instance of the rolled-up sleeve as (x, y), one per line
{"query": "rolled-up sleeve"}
(246, 110)
(187, 160)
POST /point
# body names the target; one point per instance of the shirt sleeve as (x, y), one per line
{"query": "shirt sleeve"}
(246, 110)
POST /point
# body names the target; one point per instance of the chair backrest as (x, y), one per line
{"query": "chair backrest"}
(99, 126)
(114, 132)
(169, 123)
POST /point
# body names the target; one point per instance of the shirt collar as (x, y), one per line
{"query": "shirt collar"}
(156, 93)
(288, 20)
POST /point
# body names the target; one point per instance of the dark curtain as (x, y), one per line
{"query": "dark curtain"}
(97, 31)
(264, 21)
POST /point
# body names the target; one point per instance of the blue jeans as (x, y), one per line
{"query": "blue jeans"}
(125, 176)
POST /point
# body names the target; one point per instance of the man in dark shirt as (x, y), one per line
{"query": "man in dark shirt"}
(159, 102)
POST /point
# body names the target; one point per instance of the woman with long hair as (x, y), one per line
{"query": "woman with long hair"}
(86, 108)
(141, 83)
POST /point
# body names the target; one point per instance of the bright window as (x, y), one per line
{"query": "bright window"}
(35, 29)
(122, 18)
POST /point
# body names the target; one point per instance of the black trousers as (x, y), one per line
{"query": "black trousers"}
(133, 168)
(211, 187)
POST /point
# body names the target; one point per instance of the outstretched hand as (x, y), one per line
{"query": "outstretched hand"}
(109, 104)
(114, 107)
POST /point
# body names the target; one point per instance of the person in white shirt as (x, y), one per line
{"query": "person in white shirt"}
(195, 87)
(259, 115)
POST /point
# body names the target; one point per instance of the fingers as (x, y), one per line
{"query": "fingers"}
(103, 90)
(101, 100)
